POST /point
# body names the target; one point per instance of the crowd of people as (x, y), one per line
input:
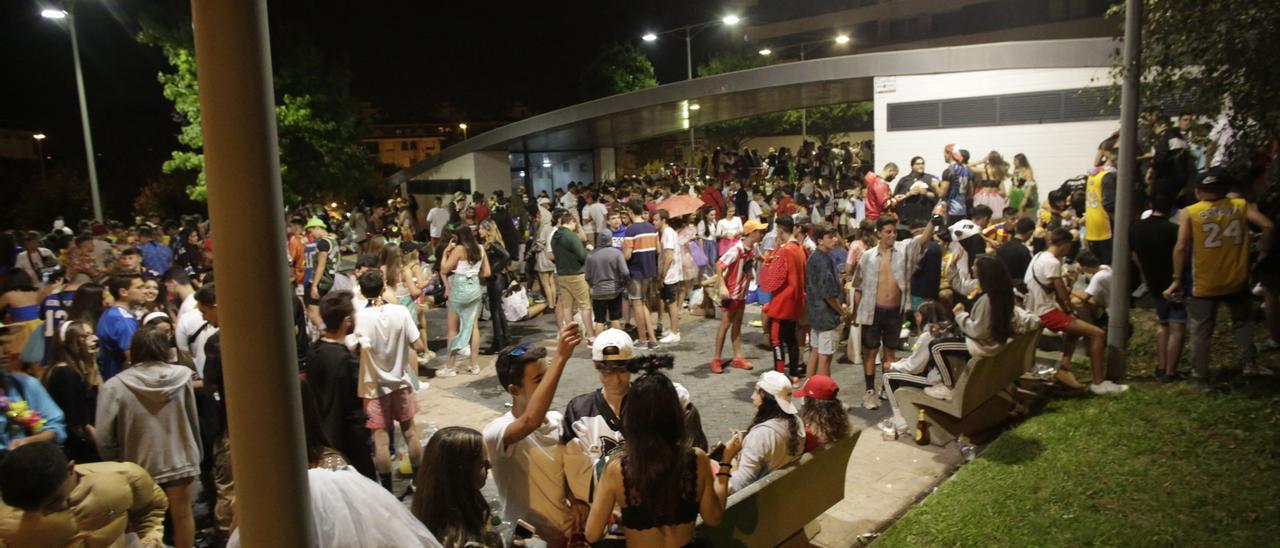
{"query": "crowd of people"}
(113, 377)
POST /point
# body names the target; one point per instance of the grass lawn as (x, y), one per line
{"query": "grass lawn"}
(1182, 464)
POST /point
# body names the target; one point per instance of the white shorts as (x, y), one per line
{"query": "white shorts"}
(825, 341)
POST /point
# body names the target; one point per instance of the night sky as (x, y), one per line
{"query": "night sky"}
(407, 59)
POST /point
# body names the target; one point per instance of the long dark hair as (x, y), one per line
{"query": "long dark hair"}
(938, 318)
(993, 278)
(653, 425)
(467, 239)
(769, 410)
(18, 280)
(446, 498)
(826, 418)
(86, 304)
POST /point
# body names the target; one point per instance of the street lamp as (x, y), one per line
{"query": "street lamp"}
(842, 39)
(766, 52)
(463, 127)
(40, 137)
(57, 14)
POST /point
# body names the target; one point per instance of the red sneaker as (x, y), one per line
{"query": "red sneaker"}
(741, 363)
(716, 367)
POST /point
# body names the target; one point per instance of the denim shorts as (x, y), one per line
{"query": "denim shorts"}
(1170, 312)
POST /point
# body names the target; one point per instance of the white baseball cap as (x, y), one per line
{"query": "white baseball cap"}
(612, 345)
(777, 385)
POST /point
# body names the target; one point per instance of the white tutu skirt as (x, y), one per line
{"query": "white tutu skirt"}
(350, 510)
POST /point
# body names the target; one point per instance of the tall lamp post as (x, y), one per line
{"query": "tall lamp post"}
(463, 127)
(57, 14)
(689, 32)
(40, 137)
(840, 40)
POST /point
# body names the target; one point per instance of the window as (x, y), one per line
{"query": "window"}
(1069, 105)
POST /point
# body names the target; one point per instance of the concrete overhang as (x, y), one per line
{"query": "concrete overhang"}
(630, 117)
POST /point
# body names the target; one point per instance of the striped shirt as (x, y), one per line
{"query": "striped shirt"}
(642, 240)
(736, 264)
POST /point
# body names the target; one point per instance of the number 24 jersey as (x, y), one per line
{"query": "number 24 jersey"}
(1219, 250)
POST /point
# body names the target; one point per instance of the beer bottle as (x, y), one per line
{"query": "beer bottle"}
(922, 430)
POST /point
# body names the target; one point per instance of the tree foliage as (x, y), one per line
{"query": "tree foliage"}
(1215, 64)
(317, 120)
(618, 68)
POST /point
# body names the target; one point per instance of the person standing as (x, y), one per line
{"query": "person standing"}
(297, 246)
(879, 199)
(640, 248)
(1016, 253)
(786, 304)
(1213, 237)
(389, 346)
(672, 275)
(332, 371)
(1151, 239)
(1099, 206)
(822, 301)
(956, 188)
(882, 287)
(437, 218)
(73, 381)
(463, 265)
(156, 257)
(915, 201)
(33, 258)
(607, 276)
(594, 215)
(571, 282)
(117, 325)
(499, 259)
(734, 271)
(321, 267)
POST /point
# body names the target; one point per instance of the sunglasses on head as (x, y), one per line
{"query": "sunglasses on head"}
(520, 350)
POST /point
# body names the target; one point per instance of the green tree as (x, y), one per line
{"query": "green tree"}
(618, 68)
(317, 119)
(1215, 64)
(732, 133)
(827, 123)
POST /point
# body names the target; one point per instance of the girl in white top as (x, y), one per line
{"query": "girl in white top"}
(464, 264)
(728, 230)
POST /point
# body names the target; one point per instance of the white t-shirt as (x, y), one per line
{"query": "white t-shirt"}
(1222, 134)
(729, 228)
(754, 211)
(388, 333)
(530, 475)
(437, 218)
(1100, 286)
(599, 214)
(671, 242)
(189, 334)
(1045, 268)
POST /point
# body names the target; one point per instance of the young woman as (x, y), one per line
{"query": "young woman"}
(991, 192)
(499, 259)
(447, 496)
(20, 300)
(147, 414)
(464, 264)
(660, 482)
(774, 439)
(88, 304)
(1023, 194)
(824, 416)
(937, 328)
(727, 230)
(151, 290)
(72, 381)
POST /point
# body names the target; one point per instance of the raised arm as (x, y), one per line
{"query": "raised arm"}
(536, 412)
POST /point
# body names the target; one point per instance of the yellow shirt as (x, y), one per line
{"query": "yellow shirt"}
(1219, 247)
(110, 499)
(1097, 223)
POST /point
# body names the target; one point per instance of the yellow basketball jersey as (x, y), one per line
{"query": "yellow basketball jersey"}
(1097, 223)
(1219, 247)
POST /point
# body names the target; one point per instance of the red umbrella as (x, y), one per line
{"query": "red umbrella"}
(681, 204)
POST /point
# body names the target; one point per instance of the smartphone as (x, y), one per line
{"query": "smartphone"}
(523, 530)
(717, 452)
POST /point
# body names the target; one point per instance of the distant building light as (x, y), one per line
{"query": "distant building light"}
(695, 106)
(53, 14)
(766, 51)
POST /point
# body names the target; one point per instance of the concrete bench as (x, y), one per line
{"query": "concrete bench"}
(780, 505)
(981, 397)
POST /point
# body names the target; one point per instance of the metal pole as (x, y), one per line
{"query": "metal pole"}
(804, 112)
(1118, 308)
(245, 205)
(84, 119)
(44, 182)
(688, 63)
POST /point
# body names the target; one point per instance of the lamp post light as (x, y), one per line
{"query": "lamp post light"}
(57, 15)
(463, 127)
(40, 137)
(689, 32)
(840, 40)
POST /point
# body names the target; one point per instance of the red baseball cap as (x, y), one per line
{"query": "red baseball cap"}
(818, 387)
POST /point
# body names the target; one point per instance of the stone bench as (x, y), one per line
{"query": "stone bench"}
(780, 505)
(981, 397)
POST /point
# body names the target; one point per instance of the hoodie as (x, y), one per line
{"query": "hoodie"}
(764, 450)
(147, 415)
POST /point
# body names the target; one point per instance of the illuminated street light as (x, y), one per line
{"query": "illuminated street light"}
(463, 127)
(649, 37)
(53, 14)
(57, 14)
(766, 52)
(730, 20)
(842, 39)
(39, 136)
(695, 106)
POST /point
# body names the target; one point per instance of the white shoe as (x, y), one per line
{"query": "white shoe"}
(938, 391)
(869, 399)
(446, 372)
(670, 338)
(1108, 388)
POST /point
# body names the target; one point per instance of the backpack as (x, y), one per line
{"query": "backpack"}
(773, 273)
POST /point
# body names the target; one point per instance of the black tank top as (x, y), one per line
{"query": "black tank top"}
(637, 515)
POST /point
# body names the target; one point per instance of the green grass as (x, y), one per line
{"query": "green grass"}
(1180, 464)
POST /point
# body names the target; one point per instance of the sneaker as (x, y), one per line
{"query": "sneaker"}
(652, 345)
(671, 338)
(716, 366)
(757, 323)
(1108, 388)
(741, 363)
(1255, 370)
(938, 391)
(473, 370)
(869, 400)
(446, 372)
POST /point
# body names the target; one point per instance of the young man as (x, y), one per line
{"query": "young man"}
(387, 334)
(672, 276)
(129, 262)
(1099, 206)
(116, 326)
(321, 268)
(999, 233)
(190, 329)
(33, 258)
(822, 301)
(956, 188)
(332, 370)
(1016, 253)
(982, 216)
(640, 248)
(882, 290)
(879, 197)
(592, 423)
(1049, 298)
(297, 246)
(213, 425)
(607, 276)
(156, 257)
(51, 501)
(524, 446)
(1151, 239)
(617, 232)
(734, 270)
(786, 305)
(593, 216)
(571, 282)
(1091, 304)
(1213, 237)
(437, 218)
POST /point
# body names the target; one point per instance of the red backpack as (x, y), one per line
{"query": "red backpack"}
(773, 272)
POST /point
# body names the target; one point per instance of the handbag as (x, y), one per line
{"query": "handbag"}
(699, 255)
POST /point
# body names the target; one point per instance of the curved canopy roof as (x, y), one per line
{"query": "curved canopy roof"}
(630, 117)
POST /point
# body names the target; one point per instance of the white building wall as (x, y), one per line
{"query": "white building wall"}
(492, 172)
(1056, 151)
